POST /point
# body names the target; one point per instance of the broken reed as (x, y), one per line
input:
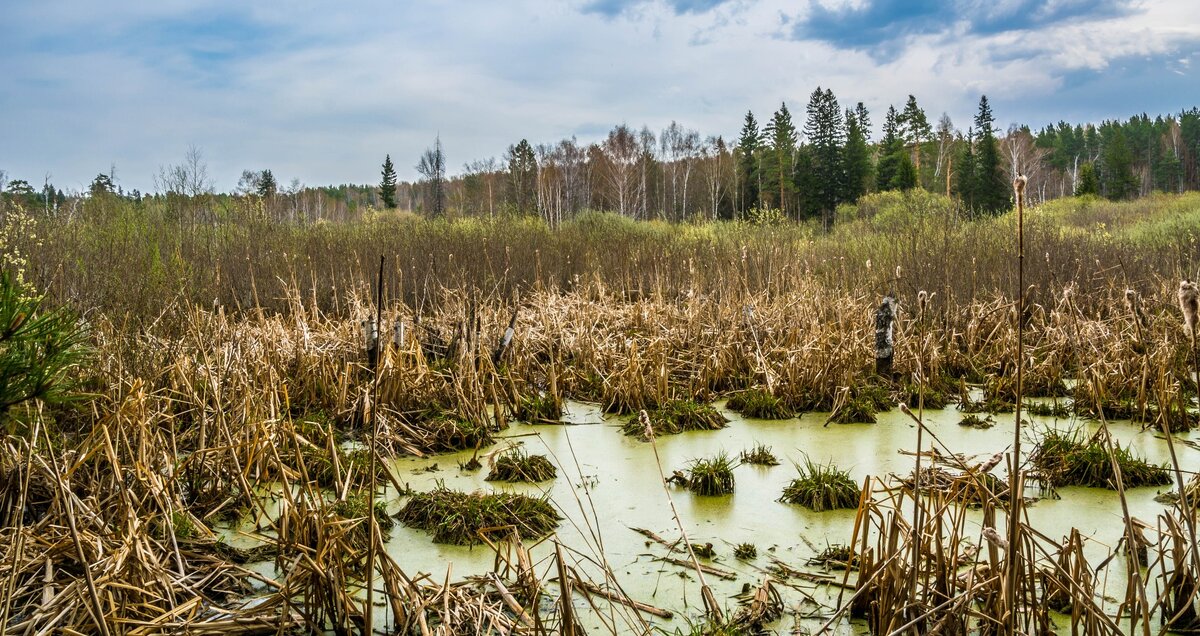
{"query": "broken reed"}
(457, 517)
(516, 466)
(821, 487)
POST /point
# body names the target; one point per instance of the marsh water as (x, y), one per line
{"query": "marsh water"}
(609, 483)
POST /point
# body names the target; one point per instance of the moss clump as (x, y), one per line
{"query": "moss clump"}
(760, 455)
(538, 408)
(712, 476)
(675, 417)
(821, 487)
(515, 465)
(1065, 459)
(759, 404)
(452, 516)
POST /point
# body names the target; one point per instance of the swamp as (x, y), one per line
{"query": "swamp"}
(607, 427)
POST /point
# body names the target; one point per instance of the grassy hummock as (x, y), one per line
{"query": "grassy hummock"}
(759, 404)
(538, 408)
(821, 487)
(1066, 459)
(711, 476)
(515, 465)
(677, 416)
(452, 516)
(760, 455)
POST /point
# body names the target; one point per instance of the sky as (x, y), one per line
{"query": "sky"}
(321, 91)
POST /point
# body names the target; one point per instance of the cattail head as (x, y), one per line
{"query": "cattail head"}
(1131, 297)
(922, 302)
(1189, 304)
(1019, 183)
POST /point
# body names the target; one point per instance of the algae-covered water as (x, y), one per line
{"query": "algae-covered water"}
(609, 483)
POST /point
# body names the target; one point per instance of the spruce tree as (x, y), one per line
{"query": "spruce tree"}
(779, 168)
(267, 186)
(891, 148)
(856, 160)
(964, 177)
(992, 190)
(1116, 163)
(748, 176)
(826, 135)
(915, 130)
(387, 185)
(522, 177)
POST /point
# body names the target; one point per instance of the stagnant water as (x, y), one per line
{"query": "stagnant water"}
(609, 483)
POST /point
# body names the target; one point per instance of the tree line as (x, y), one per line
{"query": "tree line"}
(784, 170)
(780, 169)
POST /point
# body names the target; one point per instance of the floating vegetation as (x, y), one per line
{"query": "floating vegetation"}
(835, 557)
(760, 455)
(759, 404)
(711, 476)
(1065, 459)
(821, 487)
(448, 433)
(745, 551)
(539, 408)
(514, 466)
(456, 517)
(969, 489)
(704, 550)
(1056, 409)
(973, 420)
(676, 417)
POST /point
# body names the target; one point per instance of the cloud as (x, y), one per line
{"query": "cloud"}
(321, 92)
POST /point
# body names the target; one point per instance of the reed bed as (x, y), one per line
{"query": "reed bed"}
(759, 404)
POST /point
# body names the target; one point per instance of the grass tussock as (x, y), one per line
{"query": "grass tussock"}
(516, 466)
(1055, 409)
(1067, 459)
(677, 417)
(975, 420)
(760, 455)
(545, 409)
(745, 551)
(821, 487)
(759, 404)
(456, 517)
(862, 403)
(711, 476)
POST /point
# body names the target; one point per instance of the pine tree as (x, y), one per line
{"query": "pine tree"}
(856, 160)
(781, 159)
(992, 190)
(1116, 163)
(748, 176)
(387, 185)
(1088, 183)
(826, 135)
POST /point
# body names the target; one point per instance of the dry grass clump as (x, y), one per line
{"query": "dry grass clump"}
(821, 487)
(711, 476)
(515, 466)
(449, 433)
(745, 551)
(677, 416)
(835, 557)
(456, 517)
(759, 404)
(1066, 459)
(760, 455)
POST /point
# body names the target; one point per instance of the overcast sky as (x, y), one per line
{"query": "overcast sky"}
(320, 91)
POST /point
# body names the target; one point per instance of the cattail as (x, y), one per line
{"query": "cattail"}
(1189, 303)
(1130, 298)
(922, 302)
